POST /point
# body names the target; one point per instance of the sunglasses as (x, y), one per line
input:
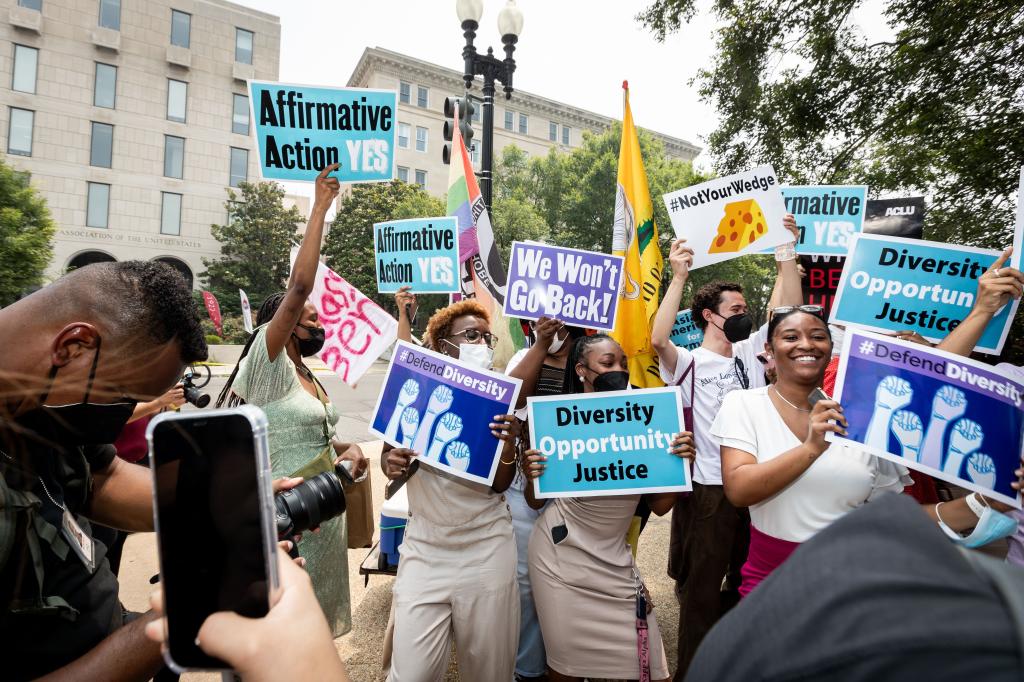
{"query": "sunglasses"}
(473, 336)
(810, 309)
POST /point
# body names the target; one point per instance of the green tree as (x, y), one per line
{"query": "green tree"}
(934, 109)
(254, 244)
(26, 234)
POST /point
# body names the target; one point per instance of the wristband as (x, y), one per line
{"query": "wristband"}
(785, 252)
(976, 504)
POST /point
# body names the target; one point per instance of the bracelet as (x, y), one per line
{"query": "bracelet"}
(785, 252)
(976, 503)
(511, 461)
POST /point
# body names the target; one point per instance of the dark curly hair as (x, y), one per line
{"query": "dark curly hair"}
(440, 324)
(708, 297)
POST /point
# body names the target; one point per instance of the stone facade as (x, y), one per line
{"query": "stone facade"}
(69, 43)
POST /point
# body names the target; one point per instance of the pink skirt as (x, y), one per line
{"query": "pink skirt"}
(765, 555)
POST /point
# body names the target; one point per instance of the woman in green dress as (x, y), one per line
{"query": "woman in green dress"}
(271, 374)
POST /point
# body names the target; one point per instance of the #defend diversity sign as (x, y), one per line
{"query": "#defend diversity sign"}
(1018, 230)
(685, 333)
(827, 215)
(614, 443)
(579, 288)
(441, 408)
(422, 253)
(302, 129)
(729, 217)
(892, 284)
(945, 415)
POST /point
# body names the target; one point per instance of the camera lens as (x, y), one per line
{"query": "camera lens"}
(308, 505)
(194, 396)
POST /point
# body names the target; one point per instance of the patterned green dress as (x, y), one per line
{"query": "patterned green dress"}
(296, 437)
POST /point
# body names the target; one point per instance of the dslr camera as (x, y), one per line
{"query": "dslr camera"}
(312, 502)
(191, 386)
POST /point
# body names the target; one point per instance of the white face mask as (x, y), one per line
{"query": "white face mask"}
(838, 338)
(556, 344)
(476, 354)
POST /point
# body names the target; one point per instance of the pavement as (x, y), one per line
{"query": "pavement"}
(361, 648)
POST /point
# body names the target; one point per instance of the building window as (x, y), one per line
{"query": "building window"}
(565, 135)
(170, 214)
(37, 5)
(523, 124)
(239, 166)
(240, 115)
(421, 96)
(404, 131)
(101, 151)
(110, 14)
(509, 118)
(404, 92)
(97, 208)
(104, 87)
(177, 100)
(181, 28)
(421, 139)
(243, 46)
(19, 132)
(403, 174)
(421, 178)
(474, 153)
(553, 132)
(477, 106)
(25, 61)
(174, 156)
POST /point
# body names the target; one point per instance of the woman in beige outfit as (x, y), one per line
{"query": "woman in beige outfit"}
(584, 579)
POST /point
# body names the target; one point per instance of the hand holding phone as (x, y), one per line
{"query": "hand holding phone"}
(816, 395)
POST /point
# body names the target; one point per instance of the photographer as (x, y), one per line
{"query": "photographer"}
(79, 356)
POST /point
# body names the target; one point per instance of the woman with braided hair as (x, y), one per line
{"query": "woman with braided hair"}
(271, 374)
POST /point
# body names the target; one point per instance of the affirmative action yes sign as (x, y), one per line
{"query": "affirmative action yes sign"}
(422, 253)
(301, 129)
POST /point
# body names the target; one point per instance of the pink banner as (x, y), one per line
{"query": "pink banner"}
(213, 308)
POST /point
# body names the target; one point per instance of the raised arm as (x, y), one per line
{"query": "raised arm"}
(996, 287)
(680, 257)
(528, 369)
(300, 283)
(405, 300)
(787, 281)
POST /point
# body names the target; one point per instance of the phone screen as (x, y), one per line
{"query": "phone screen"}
(210, 538)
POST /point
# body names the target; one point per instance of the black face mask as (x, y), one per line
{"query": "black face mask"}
(312, 345)
(737, 327)
(81, 423)
(615, 380)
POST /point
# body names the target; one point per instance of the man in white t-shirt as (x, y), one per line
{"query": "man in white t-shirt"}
(709, 535)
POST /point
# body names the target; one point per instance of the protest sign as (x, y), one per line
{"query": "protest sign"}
(356, 330)
(1018, 229)
(827, 215)
(440, 408)
(892, 284)
(730, 216)
(821, 279)
(246, 311)
(901, 217)
(612, 443)
(302, 129)
(213, 309)
(951, 417)
(422, 253)
(580, 288)
(684, 332)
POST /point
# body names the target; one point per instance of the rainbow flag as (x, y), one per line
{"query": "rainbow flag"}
(482, 273)
(635, 236)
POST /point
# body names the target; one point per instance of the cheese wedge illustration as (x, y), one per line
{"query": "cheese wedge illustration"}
(743, 224)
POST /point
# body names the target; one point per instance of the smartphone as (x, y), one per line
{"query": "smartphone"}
(816, 395)
(213, 512)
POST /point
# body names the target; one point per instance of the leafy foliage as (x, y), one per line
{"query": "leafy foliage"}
(26, 234)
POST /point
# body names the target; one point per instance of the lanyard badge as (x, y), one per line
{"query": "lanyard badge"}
(79, 541)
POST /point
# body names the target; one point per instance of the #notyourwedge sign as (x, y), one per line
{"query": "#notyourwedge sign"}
(827, 215)
(891, 284)
(613, 443)
(948, 416)
(440, 408)
(302, 129)
(422, 253)
(684, 332)
(729, 217)
(580, 288)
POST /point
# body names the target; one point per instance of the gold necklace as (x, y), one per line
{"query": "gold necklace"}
(783, 398)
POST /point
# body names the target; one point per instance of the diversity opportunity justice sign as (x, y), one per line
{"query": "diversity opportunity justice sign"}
(892, 284)
(579, 288)
(684, 332)
(614, 443)
(302, 129)
(945, 415)
(729, 217)
(827, 215)
(422, 253)
(441, 408)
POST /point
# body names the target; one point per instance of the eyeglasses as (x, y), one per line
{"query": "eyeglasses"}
(810, 309)
(474, 335)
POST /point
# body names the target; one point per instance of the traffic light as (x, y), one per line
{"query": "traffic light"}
(463, 109)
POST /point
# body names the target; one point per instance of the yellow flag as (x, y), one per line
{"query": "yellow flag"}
(635, 236)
